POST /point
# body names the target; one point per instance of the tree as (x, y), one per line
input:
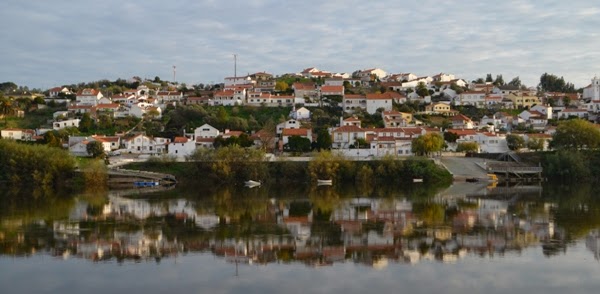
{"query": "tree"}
(535, 144)
(552, 83)
(499, 81)
(422, 89)
(515, 82)
(576, 134)
(515, 142)
(281, 86)
(566, 101)
(467, 147)
(427, 144)
(323, 140)
(488, 78)
(95, 149)
(86, 123)
(450, 137)
(298, 144)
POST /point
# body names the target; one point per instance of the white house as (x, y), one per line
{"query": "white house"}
(147, 145)
(206, 131)
(59, 125)
(300, 113)
(54, 92)
(141, 108)
(488, 142)
(181, 147)
(17, 134)
(366, 74)
(301, 132)
(78, 144)
(244, 80)
(345, 136)
(474, 98)
(289, 124)
(377, 101)
(225, 98)
(88, 97)
(460, 121)
(570, 112)
(353, 102)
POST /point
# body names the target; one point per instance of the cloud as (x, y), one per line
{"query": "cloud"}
(61, 42)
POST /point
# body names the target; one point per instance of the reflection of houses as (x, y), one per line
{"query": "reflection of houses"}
(592, 242)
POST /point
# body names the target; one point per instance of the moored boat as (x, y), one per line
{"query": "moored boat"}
(324, 182)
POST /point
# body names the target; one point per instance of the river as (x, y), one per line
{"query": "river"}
(467, 238)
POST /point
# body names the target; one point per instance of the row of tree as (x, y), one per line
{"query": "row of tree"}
(34, 165)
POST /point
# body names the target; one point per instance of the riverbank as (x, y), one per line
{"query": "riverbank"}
(386, 170)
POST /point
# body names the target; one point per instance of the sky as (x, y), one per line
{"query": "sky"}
(53, 43)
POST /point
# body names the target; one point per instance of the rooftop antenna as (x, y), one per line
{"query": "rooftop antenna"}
(234, 70)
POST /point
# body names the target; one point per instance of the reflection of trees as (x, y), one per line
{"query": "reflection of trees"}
(325, 200)
(238, 203)
(430, 213)
(577, 210)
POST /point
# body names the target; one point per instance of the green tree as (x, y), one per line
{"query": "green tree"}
(281, 86)
(575, 134)
(499, 81)
(324, 140)
(86, 123)
(515, 82)
(422, 89)
(515, 142)
(467, 147)
(450, 137)
(95, 149)
(427, 144)
(488, 78)
(298, 144)
(535, 144)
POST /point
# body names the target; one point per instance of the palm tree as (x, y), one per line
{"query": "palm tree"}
(6, 108)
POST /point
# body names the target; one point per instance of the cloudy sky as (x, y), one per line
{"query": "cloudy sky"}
(50, 43)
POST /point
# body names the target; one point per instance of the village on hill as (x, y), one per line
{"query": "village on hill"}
(365, 114)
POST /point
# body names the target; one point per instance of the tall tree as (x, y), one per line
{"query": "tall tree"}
(576, 134)
(499, 81)
(488, 78)
(95, 149)
(515, 142)
(427, 144)
(323, 140)
(515, 82)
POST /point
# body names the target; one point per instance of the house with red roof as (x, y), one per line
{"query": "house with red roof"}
(17, 134)
(377, 101)
(572, 112)
(488, 142)
(461, 121)
(331, 90)
(301, 132)
(393, 118)
(88, 97)
(142, 144)
(181, 147)
(353, 102)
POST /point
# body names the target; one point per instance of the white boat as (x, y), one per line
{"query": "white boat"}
(417, 180)
(324, 182)
(251, 183)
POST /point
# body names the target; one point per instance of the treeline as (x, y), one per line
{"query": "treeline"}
(34, 165)
(233, 165)
(571, 165)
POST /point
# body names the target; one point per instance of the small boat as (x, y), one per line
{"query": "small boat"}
(324, 182)
(472, 180)
(251, 183)
(146, 184)
(417, 180)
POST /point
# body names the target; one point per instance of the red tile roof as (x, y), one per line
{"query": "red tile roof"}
(180, 140)
(295, 132)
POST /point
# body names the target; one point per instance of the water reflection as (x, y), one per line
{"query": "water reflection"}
(316, 226)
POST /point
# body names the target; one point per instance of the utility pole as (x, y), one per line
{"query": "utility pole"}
(174, 74)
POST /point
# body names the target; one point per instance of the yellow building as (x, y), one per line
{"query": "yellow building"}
(523, 100)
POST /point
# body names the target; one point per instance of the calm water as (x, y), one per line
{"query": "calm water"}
(467, 238)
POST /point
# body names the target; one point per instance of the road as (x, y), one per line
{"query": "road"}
(465, 167)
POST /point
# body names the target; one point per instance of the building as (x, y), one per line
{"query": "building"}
(88, 97)
(143, 144)
(17, 134)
